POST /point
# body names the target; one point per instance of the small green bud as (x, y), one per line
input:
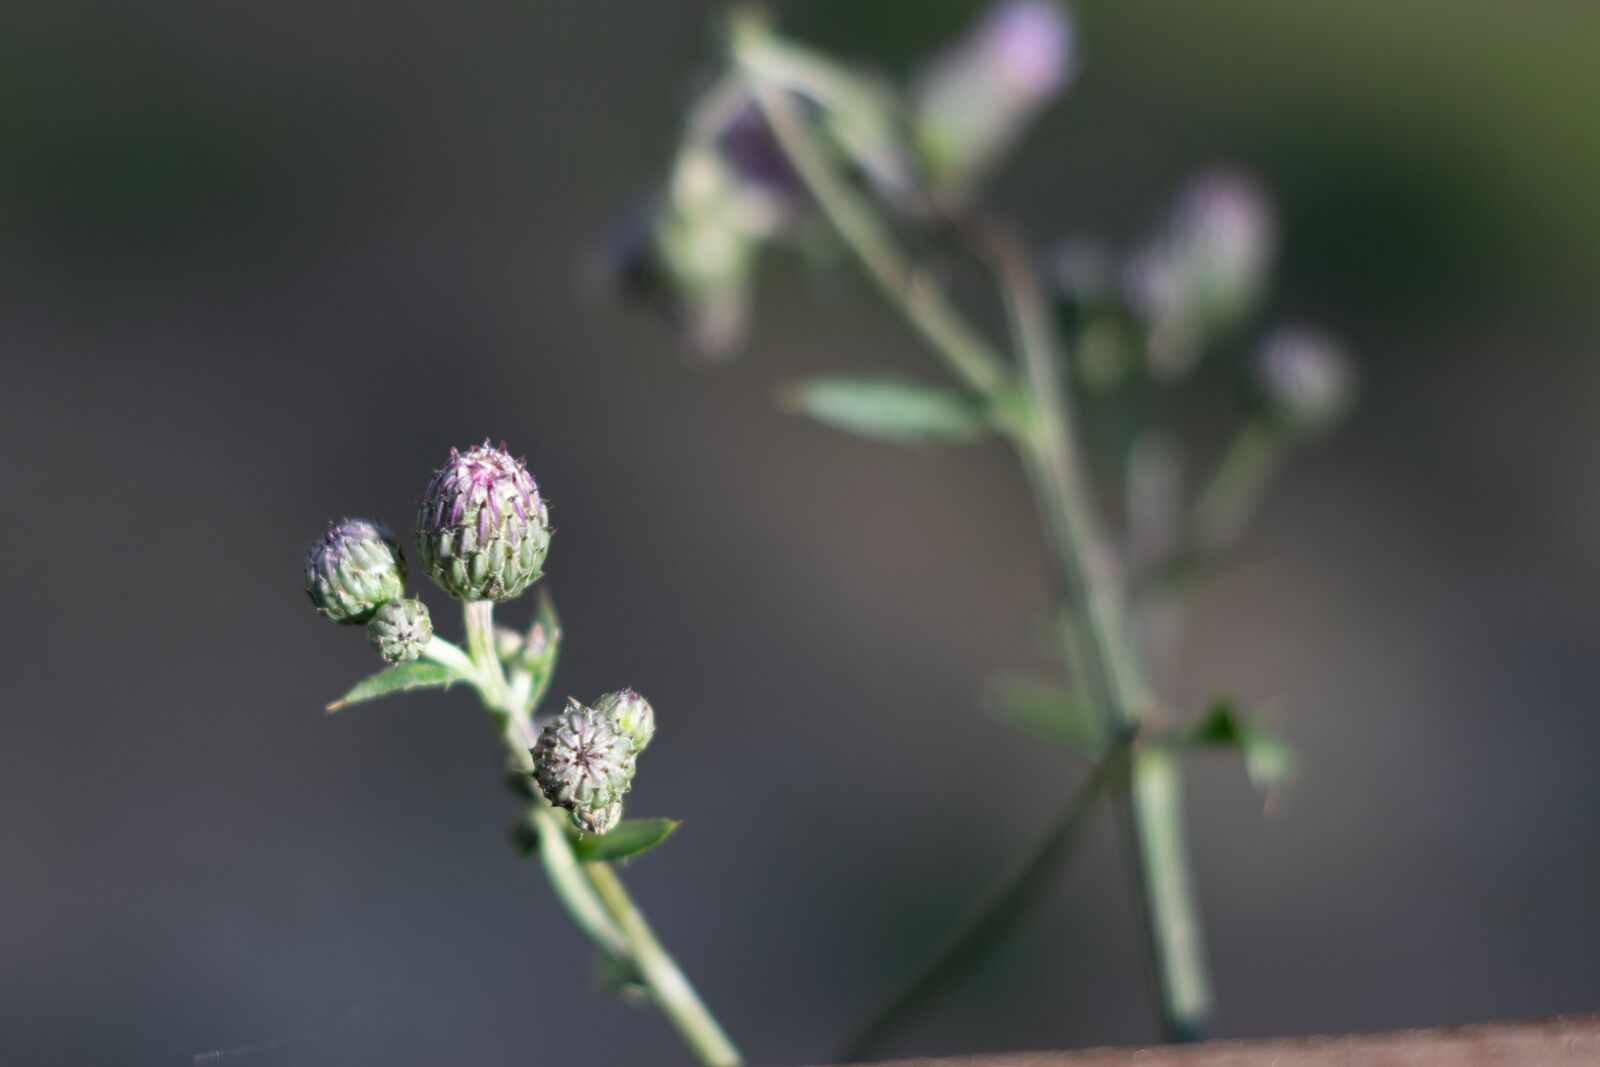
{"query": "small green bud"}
(1303, 380)
(400, 630)
(583, 763)
(355, 568)
(599, 820)
(630, 713)
(483, 529)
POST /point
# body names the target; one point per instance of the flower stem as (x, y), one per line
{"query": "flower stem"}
(591, 893)
(1111, 660)
(668, 986)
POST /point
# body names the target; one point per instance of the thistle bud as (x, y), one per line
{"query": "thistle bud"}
(599, 820)
(400, 630)
(1304, 380)
(973, 102)
(483, 529)
(353, 570)
(1207, 269)
(583, 763)
(630, 713)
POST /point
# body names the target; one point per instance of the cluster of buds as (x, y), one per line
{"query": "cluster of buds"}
(691, 251)
(356, 575)
(585, 757)
(482, 533)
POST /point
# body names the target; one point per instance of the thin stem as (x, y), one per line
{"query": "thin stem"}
(1111, 661)
(668, 987)
(966, 352)
(1150, 802)
(446, 654)
(992, 917)
(1237, 488)
(591, 893)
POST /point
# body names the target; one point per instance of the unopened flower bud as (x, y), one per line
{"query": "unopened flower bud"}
(400, 630)
(1304, 380)
(630, 713)
(483, 529)
(583, 763)
(973, 102)
(599, 820)
(1207, 269)
(353, 570)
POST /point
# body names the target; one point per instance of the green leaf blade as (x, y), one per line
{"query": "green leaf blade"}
(628, 839)
(888, 410)
(418, 674)
(1048, 712)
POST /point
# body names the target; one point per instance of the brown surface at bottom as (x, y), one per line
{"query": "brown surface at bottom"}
(1561, 1042)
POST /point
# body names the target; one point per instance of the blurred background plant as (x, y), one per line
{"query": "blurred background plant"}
(791, 142)
(257, 263)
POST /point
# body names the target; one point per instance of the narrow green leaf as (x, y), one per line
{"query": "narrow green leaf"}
(887, 410)
(418, 674)
(1049, 712)
(1267, 760)
(631, 837)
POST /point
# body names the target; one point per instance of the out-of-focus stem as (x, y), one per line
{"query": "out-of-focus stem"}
(1150, 801)
(1236, 489)
(1002, 905)
(1110, 657)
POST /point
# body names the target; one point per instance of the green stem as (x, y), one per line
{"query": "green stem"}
(992, 917)
(591, 893)
(1237, 488)
(1111, 660)
(969, 356)
(1150, 801)
(668, 986)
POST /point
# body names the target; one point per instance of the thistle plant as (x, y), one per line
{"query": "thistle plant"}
(1088, 378)
(482, 533)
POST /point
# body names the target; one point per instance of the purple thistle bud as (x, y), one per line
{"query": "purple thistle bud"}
(973, 101)
(1207, 268)
(354, 569)
(482, 528)
(1304, 380)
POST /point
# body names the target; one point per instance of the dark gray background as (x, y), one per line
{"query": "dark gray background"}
(261, 265)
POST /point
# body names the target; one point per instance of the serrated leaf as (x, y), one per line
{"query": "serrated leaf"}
(884, 410)
(1267, 760)
(1049, 712)
(418, 674)
(631, 837)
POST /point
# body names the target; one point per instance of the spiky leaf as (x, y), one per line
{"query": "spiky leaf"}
(418, 674)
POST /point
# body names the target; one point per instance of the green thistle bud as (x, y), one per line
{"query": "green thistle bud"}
(630, 713)
(400, 630)
(599, 820)
(583, 763)
(356, 568)
(483, 529)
